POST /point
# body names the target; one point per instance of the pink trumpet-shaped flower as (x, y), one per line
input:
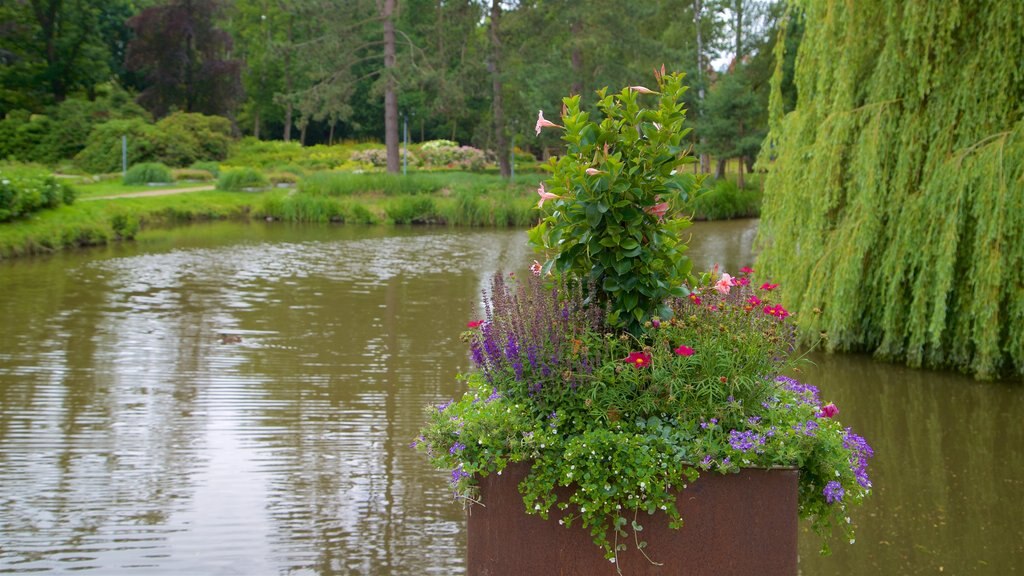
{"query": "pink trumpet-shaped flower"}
(542, 123)
(658, 210)
(642, 90)
(724, 284)
(828, 411)
(536, 268)
(545, 195)
(594, 171)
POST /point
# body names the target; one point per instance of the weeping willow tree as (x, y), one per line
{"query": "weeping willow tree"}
(894, 204)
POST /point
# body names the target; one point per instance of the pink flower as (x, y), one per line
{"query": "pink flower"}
(684, 350)
(754, 301)
(545, 195)
(535, 268)
(694, 298)
(724, 284)
(658, 210)
(542, 123)
(778, 311)
(474, 324)
(638, 359)
(828, 411)
(594, 171)
(769, 287)
(747, 270)
(642, 90)
(741, 281)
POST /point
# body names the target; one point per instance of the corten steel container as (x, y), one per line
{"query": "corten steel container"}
(734, 524)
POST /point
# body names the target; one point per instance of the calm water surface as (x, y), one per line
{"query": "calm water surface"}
(239, 399)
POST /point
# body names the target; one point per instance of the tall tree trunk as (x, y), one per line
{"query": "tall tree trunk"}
(738, 10)
(705, 160)
(577, 58)
(720, 169)
(288, 80)
(256, 125)
(499, 109)
(387, 8)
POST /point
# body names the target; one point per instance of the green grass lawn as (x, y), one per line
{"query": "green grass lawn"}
(112, 187)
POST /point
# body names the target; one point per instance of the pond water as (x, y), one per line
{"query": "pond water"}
(240, 398)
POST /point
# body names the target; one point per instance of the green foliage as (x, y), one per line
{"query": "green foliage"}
(207, 166)
(102, 152)
(626, 420)
(347, 184)
(242, 179)
(274, 154)
(895, 203)
(724, 201)
(146, 172)
(612, 192)
(191, 174)
(25, 189)
(189, 138)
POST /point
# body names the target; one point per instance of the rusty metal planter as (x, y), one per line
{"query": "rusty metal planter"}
(734, 524)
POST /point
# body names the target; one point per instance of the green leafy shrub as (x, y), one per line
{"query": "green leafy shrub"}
(454, 157)
(612, 192)
(283, 178)
(276, 154)
(102, 152)
(191, 174)
(148, 172)
(241, 179)
(211, 167)
(724, 201)
(190, 137)
(25, 189)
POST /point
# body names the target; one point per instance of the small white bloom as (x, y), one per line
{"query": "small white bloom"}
(852, 540)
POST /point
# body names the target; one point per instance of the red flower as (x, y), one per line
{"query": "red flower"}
(747, 270)
(694, 298)
(769, 287)
(639, 359)
(744, 281)
(474, 324)
(754, 301)
(828, 411)
(778, 311)
(684, 350)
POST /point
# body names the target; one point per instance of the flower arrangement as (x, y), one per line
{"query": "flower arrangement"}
(614, 370)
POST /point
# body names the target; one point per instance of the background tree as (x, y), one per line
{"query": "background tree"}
(183, 57)
(895, 204)
(52, 48)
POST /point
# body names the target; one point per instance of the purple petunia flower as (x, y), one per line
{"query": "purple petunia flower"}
(456, 448)
(458, 474)
(833, 492)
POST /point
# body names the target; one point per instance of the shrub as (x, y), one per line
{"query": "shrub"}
(147, 172)
(241, 179)
(191, 174)
(25, 189)
(460, 157)
(724, 201)
(189, 137)
(376, 157)
(287, 178)
(211, 167)
(102, 152)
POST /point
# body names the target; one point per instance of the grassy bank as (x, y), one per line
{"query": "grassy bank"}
(102, 221)
(440, 198)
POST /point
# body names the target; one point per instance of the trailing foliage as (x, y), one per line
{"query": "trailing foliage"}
(27, 189)
(895, 202)
(725, 201)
